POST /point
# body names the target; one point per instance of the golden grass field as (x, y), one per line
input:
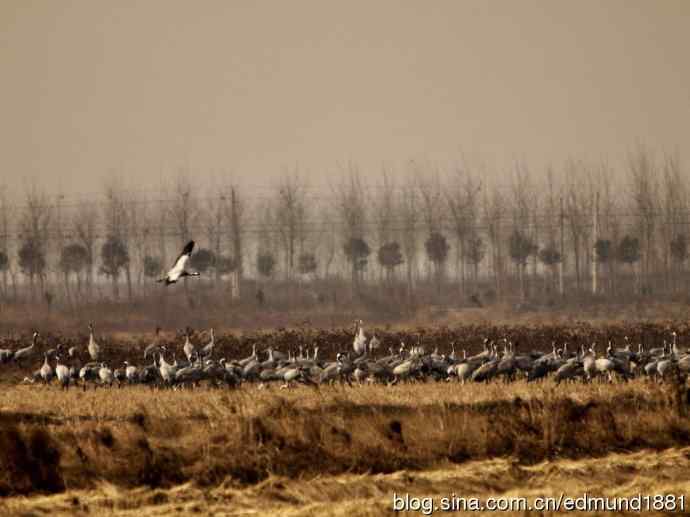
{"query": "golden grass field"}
(333, 450)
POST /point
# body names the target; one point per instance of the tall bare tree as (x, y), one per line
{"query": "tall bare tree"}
(183, 210)
(524, 225)
(463, 204)
(578, 210)
(609, 223)
(119, 225)
(141, 234)
(35, 227)
(432, 210)
(409, 231)
(235, 208)
(291, 217)
(5, 222)
(493, 214)
(351, 207)
(645, 197)
(328, 238)
(384, 213)
(212, 214)
(85, 224)
(674, 214)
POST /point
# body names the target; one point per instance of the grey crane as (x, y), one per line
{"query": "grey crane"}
(105, 374)
(62, 373)
(93, 347)
(26, 352)
(188, 348)
(46, 370)
(207, 350)
(155, 346)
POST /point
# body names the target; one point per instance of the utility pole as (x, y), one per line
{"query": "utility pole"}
(561, 287)
(595, 233)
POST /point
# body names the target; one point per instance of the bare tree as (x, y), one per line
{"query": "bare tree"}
(473, 253)
(291, 215)
(390, 257)
(35, 226)
(610, 224)
(235, 209)
(114, 257)
(431, 205)
(85, 224)
(578, 209)
(523, 239)
(430, 196)
(58, 240)
(645, 194)
(183, 210)
(265, 241)
(140, 235)
(674, 214)
(328, 239)
(493, 214)
(437, 248)
(409, 235)
(463, 203)
(5, 222)
(351, 208)
(73, 260)
(550, 254)
(212, 215)
(119, 224)
(384, 214)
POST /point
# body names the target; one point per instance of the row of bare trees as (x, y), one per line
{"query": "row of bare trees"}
(580, 228)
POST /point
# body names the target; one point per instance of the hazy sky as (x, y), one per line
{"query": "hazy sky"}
(253, 87)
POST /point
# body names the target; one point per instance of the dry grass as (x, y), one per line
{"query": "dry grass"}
(104, 446)
(344, 495)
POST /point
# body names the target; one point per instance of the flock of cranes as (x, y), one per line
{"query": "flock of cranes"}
(504, 360)
(185, 364)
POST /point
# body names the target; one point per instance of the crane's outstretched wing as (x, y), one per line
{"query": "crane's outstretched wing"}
(186, 251)
(180, 264)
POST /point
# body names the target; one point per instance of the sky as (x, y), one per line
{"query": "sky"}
(254, 88)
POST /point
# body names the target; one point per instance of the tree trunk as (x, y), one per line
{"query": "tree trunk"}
(13, 278)
(68, 295)
(5, 289)
(576, 249)
(89, 279)
(462, 267)
(409, 282)
(128, 274)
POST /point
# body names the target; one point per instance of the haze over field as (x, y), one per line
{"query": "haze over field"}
(254, 87)
(462, 224)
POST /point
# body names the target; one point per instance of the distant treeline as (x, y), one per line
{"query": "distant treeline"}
(578, 228)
